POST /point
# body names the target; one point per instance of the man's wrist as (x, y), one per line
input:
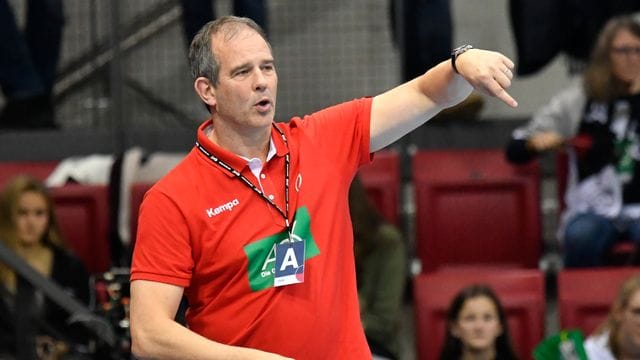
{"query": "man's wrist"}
(457, 52)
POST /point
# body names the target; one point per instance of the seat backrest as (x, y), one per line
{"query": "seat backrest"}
(521, 292)
(137, 195)
(83, 215)
(38, 169)
(473, 207)
(381, 180)
(585, 295)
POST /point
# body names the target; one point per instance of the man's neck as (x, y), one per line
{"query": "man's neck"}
(249, 144)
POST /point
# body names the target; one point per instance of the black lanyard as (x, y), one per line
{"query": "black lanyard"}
(285, 213)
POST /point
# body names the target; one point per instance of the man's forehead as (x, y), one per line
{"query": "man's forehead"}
(233, 32)
(243, 43)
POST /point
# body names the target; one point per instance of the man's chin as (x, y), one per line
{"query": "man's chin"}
(267, 116)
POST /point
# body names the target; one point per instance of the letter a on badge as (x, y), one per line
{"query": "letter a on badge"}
(289, 259)
(289, 263)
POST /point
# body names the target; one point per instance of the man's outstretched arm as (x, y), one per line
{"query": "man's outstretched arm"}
(404, 108)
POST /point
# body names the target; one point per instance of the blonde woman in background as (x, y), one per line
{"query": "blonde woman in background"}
(619, 336)
(28, 227)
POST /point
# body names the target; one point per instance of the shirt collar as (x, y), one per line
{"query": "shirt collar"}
(270, 154)
(277, 147)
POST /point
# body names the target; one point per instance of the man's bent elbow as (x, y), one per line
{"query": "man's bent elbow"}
(141, 346)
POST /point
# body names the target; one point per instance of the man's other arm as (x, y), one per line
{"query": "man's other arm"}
(155, 335)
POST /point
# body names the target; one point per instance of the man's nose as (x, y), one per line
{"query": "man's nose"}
(260, 80)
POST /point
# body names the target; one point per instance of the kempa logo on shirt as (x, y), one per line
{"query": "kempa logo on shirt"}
(211, 212)
(261, 254)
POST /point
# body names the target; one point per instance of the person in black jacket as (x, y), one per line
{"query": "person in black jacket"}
(598, 123)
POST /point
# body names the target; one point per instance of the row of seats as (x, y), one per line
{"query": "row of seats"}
(584, 299)
(472, 207)
(83, 210)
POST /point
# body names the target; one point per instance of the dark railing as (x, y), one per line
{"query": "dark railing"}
(29, 280)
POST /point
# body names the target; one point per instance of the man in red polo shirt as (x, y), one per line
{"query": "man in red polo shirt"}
(253, 226)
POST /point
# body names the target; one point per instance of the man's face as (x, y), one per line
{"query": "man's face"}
(245, 95)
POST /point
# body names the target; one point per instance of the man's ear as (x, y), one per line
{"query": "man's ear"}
(205, 90)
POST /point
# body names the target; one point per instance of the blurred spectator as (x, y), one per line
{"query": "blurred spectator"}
(567, 344)
(598, 122)
(477, 327)
(196, 13)
(28, 62)
(539, 42)
(29, 227)
(619, 337)
(380, 273)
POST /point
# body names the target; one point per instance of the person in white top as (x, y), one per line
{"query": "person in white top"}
(619, 336)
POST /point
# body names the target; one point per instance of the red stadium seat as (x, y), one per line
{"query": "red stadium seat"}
(381, 179)
(585, 295)
(473, 208)
(521, 292)
(38, 169)
(83, 215)
(137, 195)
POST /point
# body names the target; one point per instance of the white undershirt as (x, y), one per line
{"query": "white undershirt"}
(256, 165)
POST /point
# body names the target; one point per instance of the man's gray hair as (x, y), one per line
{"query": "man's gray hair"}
(202, 59)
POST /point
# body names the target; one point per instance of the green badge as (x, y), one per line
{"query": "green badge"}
(566, 345)
(261, 254)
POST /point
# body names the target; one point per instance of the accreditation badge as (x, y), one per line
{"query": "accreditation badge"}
(289, 266)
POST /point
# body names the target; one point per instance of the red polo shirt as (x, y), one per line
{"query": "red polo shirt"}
(202, 228)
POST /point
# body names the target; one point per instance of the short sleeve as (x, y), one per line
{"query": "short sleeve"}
(163, 250)
(342, 130)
